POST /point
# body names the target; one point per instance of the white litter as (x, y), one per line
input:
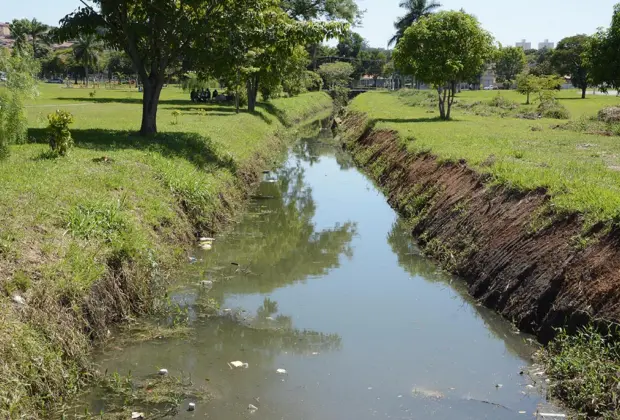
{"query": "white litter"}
(529, 386)
(498, 386)
(522, 412)
(227, 310)
(191, 407)
(206, 283)
(163, 372)
(19, 300)
(206, 246)
(281, 371)
(204, 239)
(252, 408)
(238, 364)
(550, 416)
(315, 353)
(136, 415)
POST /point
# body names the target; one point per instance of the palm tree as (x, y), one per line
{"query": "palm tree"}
(415, 10)
(86, 51)
(36, 31)
(20, 29)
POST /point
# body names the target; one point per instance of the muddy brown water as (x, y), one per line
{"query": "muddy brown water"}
(321, 278)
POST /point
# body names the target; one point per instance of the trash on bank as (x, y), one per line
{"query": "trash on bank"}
(19, 300)
(163, 372)
(238, 364)
(135, 415)
(205, 239)
(206, 283)
(207, 246)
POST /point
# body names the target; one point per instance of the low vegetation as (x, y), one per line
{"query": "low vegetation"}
(518, 145)
(87, 238)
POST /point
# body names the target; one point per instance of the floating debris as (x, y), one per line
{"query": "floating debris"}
(206, 283)
(281, 371)
(238, 364)
(315, 353)
(205, 239)
(498, 386)
(522, 412)
(529, 386)
(136, 415)
(191, 406)
(207, 246)
(542, 416)
(427, 393)
(163, 372)
(252, 408)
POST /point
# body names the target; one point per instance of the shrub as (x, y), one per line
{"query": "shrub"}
(553, 109)
(314, 81)
(610, 114)
(500, 101)
(60, 136)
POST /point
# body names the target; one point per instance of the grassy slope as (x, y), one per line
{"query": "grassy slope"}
(579, 171)
(84, 241)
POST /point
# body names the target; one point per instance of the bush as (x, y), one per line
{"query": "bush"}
(60, 136)
(553, 109)
(314, 81)
(610, 114)
(500, 101)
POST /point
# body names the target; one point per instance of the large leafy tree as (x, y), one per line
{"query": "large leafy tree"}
(20, 30)
(415, 10)
(509, 63)
(345, 10)
(443, 49)
(336, 74)
(539, 61)
(603, 55)
(155, 34)
(87, 51)
(37, 31)
(570, 58)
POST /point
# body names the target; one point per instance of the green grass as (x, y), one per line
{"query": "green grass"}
(581, 172)
(86, 239)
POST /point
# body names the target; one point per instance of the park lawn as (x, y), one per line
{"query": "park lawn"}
(580, 172)
(85, 239)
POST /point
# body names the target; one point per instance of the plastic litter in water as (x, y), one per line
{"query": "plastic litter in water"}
(281, 371)
(205, 239)
(238, 364)
(163, 372)
(191, 406)
(252, 408)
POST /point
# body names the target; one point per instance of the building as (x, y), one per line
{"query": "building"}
(524, 44)
(546, 44)
(488, 78)
(5, 31)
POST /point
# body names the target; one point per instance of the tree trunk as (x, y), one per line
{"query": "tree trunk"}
(583, 92)
(527, 102)
(150, 100)
(442, 109)
(451, 94)
(86, 73)
(252, 85)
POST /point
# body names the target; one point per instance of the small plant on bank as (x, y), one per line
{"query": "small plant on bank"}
(60, 137)
(92, 94)
(583, 369)
(176, 114)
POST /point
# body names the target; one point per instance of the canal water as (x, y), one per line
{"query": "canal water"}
(321, 279)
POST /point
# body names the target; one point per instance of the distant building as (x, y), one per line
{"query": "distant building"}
(488, 78)
(4, 29)
(548, 45)
(524, 44)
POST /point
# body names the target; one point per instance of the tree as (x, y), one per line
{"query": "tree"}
(530, 83)
(86, 51)
(20, 29)
(336, 74)
(570, 58)
(539, 61)
(351, 45)
(509, 63)
(373, 61)
(415, 10)
(37, 31)
(603, 55)
(307, 10)
(443, 49)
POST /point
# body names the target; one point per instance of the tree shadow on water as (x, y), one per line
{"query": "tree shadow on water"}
(197, 149)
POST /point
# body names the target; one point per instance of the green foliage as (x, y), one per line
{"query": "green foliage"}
(59, 135)
(96, 220)
(509, 63)
(415, 9)
(544, 86)
(443, 49)
(336, 74)
(551, 108)
(584, 371)
(314, 81)
(571, 58)
(539, 62)
(308, 10)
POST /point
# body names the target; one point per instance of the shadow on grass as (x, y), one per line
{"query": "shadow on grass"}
(220, 110)
(272, 110)
(412, 120)
(197, 149)
(123, 100)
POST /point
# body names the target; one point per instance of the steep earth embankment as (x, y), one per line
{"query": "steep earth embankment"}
(536, 269)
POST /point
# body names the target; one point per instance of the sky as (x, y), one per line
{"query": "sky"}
(534, 20)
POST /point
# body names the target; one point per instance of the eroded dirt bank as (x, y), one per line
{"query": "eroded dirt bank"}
(537, 269)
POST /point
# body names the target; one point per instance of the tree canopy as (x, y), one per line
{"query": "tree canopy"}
(509, 63)
(443, 49)
(336, 74)
(415, 10)
(346, 10)
(604, 54)
(570, 58)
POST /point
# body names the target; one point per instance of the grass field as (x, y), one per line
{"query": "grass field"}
(85, 239)
(580, 171)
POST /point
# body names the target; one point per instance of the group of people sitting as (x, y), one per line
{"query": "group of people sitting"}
(203, 95)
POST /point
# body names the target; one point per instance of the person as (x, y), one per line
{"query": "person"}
(215, 94)
(203, 95)
(208, 94)
(192, 95)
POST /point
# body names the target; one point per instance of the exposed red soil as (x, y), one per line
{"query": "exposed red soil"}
(536, 277)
